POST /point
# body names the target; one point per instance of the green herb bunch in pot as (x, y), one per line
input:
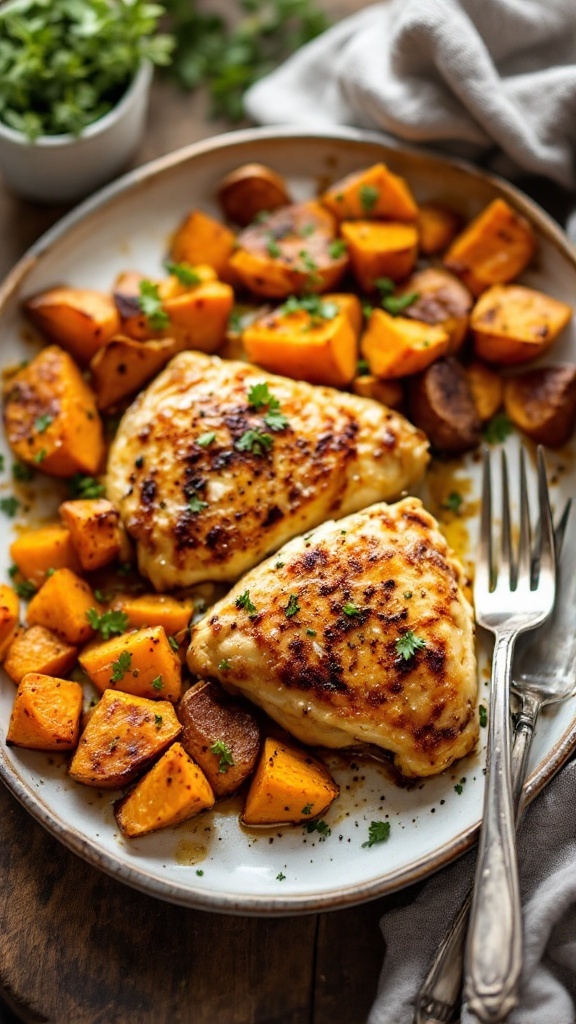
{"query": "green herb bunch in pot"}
(74, 83)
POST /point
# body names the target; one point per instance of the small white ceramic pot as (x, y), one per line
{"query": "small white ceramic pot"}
(64, 168)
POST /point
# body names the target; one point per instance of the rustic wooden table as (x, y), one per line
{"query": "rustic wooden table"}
(78, 947)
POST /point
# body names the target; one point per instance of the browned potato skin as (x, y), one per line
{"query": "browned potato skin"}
(542, 403)
(441, 404)
(250, 190)
(443, 299)
(208, 714)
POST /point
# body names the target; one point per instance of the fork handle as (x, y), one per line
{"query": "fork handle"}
(494, 950)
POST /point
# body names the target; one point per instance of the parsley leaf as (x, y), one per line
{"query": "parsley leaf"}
(362, 367)
(173, 643)
(276, 420)
(82, 486)
(157, 684)
(254, 441)
(307, 809)
(121, 666)
(25, 589)
(453, 502)
(184, 272)
(243, 601)
(206, 439)
(318, 826)
(280, 877)
(378, 832)
(497, 429)
(408, 644)
(42, 423)
(224, 754)
(195, 504)
(22, 473)
(9, 506)
(1, 463)
(151, 305)
(483, 716)
(109, 623)
(272, 248)
(395, 304)
(369, 196)
(158, 721)
(385, 286)
(259, 397)
(224, 665)
(292, 608)
(337, 248)
(350, 610)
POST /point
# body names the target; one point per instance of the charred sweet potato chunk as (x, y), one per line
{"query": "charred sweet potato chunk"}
(395, 346)
(512, 324)
(289, 785)
(155, 610)
(493, 249)
(123, 366)
(380, 249)
(487, 389)
(94, 526)
(441, 299)
(39, 650)
(251, 190)
(141, 662)
(80, 320)
(542, 403)
(46, 713)
(173, 790)
(437, 225)
(201, 239)
(35, 552)
(62, 605)
(373, 192)
(440, 403)
(221, 734)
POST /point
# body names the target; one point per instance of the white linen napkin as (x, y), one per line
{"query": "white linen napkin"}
(479, 78)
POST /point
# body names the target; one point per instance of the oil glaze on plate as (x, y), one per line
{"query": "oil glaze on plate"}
(210, 862)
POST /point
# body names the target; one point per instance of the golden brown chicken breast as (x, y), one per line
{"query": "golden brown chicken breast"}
(358, 632)
(218, 463)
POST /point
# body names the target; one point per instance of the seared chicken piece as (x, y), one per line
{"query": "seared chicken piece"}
(218, 463)
(359, 632)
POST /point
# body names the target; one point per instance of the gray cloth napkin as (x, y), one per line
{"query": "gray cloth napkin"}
(479, 78)
(547, 858)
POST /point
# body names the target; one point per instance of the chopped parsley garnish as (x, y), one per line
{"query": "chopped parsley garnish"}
(272, 248)
(307, 809)
(498, 429)
(243, 601)
(368, 195)
(82, 486)
(337, 248)
(9, 506)
(259, 397)
(378, 832)
(318, 826)
(151, 305)
(235, 321)
(280, 877)
(395, 304)
(224, 665)
(310, 632)
(173, 643)
(453, 502)
(25, 589)
(407, 594)
(408, 644)
(483, 716)
(22, 473)
(292, 608)
(157, 721)
(367, 310)
(195, 504)
(307, 262)
(458, 788)
(276, 420)
(199, 872)
(362, 367)
(350, 610)
(306, 230)
(184, 272)
(121, 666)
(318, 308)
(157, 684)
(110, 623)
(254, 441)
(42, 423)
(1, 463)
(206, 439)
(384, 286)
(40, 456)
(224, 754)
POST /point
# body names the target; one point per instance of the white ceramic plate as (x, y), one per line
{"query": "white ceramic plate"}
(210, 862)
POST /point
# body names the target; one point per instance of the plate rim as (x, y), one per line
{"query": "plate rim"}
(141, 879)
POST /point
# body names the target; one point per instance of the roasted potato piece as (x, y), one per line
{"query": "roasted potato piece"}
(374, 192)
(380, 249)
(442, 300)
(294, 250)
(9, 615)
(124, 734)
(173, 790)
(395, 346)
(62, 604)
(317, 343)
(437, 226)
(542, 403)
(46, 713)
(123, 366)
(250, 190)
(141, 662)
(155, 610)
(51, 418)
(441, 404)
(289, 785)
(39, 650)
(35, 552)
(78, 319)
(221, 734)
(202, 240)
(487, 388)
(512, 324)
(94, 526)
(493, 249)
(388, 392)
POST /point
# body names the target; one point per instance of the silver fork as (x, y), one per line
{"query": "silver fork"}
(509, 600)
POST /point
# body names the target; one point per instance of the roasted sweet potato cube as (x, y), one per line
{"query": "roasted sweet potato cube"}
(124, 735)
(174, 789)
(493, 249)
(9, 615)
(199, 317)
(221, 733)
(289, 785)
(123, 366)
(542, 403)
(78, 319)
(155, 610)
(380, 249)
(46, 713)
(388, 392)
(140, 662)
(317, 348)
(128, 298)
(487, 389)
(512, 324)
(62, 604)
(437, 225)
(94, 526)
(202, 240)
(373, 192)
(39, 650)
(351, 306)
(35, 552)
(51, 417)
(395, 346)
(250, 190)
(294, 251)
(441, 299)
